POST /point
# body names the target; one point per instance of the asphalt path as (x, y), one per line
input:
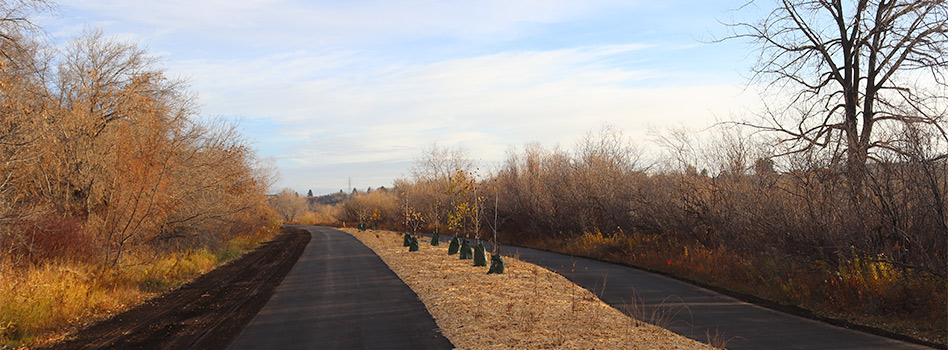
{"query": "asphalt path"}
(699, 313)
(340, 295)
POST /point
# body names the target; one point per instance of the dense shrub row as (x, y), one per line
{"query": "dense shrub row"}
(101, 153)
(793, 229)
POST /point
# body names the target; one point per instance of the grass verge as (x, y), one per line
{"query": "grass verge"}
(528, 307)
(42, 304)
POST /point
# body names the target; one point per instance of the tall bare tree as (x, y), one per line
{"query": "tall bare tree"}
(107, 153)
(438, 163)
(15, 23)
(23, 103)
(856, 72)
(288, 204)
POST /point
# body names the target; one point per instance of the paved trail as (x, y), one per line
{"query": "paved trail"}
(697, 312)
(340, 295)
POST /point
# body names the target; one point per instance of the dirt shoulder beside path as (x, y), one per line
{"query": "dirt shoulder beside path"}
(207, 313)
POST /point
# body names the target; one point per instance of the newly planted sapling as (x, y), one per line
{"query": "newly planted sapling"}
(375, 218)
(413, 219)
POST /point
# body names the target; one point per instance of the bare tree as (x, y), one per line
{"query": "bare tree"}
(852, 68)
(432, 174)
(105, 153)
(603, 164)
(288, 204)
(22, 105)
(440, 163)
(376, 207)
(15, 23)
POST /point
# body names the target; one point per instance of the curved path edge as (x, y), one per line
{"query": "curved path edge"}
(700, 313)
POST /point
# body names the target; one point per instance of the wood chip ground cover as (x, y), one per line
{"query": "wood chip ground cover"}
(528, 307)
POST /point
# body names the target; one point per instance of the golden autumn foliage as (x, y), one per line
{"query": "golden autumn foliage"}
(376, 208)
(106, 168)
(113, 156)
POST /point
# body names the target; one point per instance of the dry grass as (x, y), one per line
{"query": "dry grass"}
(528, 307)
(44, 303)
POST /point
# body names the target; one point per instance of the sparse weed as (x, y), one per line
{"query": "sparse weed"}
(663, 315)
(718, 340)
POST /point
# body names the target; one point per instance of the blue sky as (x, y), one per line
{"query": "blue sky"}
(332, 90)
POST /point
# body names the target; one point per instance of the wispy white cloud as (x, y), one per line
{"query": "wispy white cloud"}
(331, 87)
(181, 14)
(340, 111)
(334, 23)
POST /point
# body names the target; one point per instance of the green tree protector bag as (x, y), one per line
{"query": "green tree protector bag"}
(479, 259)
(466, 250)
(496, 264)
(453, 248)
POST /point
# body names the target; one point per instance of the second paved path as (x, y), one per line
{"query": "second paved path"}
(340, 295)
(696, 312)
